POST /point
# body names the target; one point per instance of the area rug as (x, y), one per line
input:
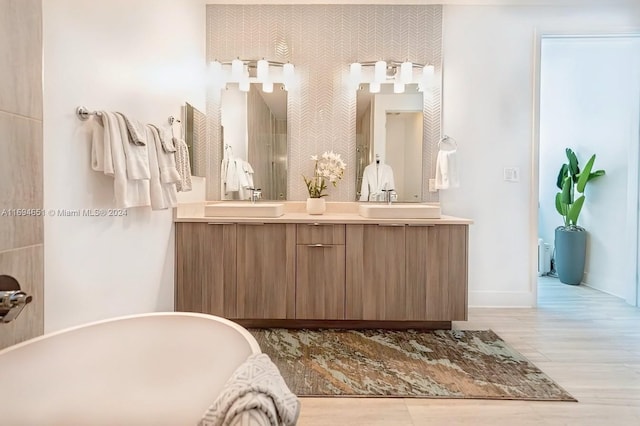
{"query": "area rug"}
(407, 363)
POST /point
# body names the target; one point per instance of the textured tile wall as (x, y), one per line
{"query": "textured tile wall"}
(322, 40)
(21, 237)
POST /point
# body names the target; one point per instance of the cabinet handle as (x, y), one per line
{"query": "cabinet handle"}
(422, 224)
(219, 223)
(314, 224)
(391, 224)
(320, 245)
(253, 223)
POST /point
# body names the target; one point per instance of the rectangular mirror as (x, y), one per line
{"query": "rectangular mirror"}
(389, 140)
(254, 138)
(195, 136)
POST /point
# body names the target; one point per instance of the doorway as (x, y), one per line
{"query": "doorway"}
(589, 101)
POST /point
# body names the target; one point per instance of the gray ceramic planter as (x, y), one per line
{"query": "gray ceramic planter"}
(571, 249)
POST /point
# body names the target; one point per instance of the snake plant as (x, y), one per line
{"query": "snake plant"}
(570, 182)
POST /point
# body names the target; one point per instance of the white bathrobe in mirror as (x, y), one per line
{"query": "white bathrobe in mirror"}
(376, 177)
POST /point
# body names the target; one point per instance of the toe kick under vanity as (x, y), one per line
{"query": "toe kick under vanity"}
(333, 270)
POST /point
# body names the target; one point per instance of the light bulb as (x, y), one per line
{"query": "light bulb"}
(267, 87)
(262, 72)
(244, 85)
(374, 87)
(287, 72)
(406, 72)
(380, 71)
(237, 68)
(427, 71)
(356, 71)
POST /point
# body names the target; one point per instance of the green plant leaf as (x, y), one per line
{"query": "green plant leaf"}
(567, 186)
(586, 174)
(561, 175)
(573, 164)
(574, 211)
(559, 204)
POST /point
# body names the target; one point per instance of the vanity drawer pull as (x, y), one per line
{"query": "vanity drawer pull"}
(391, 224)
(320, 245)
(219, 223)
(422, 224)
(253, 223)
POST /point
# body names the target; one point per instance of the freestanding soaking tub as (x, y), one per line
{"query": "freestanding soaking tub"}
(150, 369)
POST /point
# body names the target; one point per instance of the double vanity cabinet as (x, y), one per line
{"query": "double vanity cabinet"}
(314, 271)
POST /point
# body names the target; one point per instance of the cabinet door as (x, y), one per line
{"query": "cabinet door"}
(445, 254)
(206, 268)
(266, 271)
(376, 282)
(320, 274)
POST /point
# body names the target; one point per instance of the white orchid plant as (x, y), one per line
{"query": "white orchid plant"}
(329, 167)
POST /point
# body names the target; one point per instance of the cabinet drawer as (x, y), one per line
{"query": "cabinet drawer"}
(320, 233)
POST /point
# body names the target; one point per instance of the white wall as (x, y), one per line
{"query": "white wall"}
(140, 57)
(488, 108)
(590, 102)
(390, 103)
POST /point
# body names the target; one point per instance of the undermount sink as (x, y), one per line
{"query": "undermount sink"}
(244, 209)
(399, 211)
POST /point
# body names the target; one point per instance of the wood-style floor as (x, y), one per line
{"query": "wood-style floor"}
(585, 340)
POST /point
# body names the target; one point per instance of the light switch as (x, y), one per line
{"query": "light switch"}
(512, 174)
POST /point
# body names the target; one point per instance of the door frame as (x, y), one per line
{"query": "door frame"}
(632, 296)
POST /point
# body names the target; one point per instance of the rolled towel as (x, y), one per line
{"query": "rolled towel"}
(255, 394)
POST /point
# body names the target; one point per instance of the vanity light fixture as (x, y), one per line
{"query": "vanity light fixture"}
(399, 73)
(247, 71)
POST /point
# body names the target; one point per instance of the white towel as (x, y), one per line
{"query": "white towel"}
(136, 154)
(128, 193)
(168, 175)
(183, 165)
(97, 146)
(447, 170)
(158, 199)
(256, 394)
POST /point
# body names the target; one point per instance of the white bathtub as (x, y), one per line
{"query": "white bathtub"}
(151, 369)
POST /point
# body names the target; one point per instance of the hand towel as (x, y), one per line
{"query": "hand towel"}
(256, 394)
(135, 130)
(136, 155)
(447, 170)
(159, 200)
(128, 193)
(166, 159)
(183, 165)
(167, 171)
(167, 144)
(97, 146)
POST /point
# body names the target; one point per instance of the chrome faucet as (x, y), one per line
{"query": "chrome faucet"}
(390, 195)
(256, 194)
(12, 299)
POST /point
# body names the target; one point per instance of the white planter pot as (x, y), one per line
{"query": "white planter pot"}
(316, 205)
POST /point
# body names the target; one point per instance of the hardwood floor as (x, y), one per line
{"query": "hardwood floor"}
(585, 340)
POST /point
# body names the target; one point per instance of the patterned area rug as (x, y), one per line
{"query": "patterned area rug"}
(387, 363)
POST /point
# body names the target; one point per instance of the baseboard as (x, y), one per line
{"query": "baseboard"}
(501, 299)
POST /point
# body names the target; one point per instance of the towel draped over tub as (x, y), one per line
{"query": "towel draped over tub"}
(255, 395)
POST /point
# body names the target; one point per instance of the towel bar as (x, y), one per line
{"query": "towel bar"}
(83, 113)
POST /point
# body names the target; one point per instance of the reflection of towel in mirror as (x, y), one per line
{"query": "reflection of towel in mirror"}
(375, 179)
(256, 394)
(447, 170)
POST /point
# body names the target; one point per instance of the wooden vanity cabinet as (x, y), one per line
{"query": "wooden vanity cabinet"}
(206, 268)
(294, 274)
(399, 272)
(320, 271)
(266, 270)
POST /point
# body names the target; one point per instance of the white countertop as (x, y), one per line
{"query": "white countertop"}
(337, 212)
